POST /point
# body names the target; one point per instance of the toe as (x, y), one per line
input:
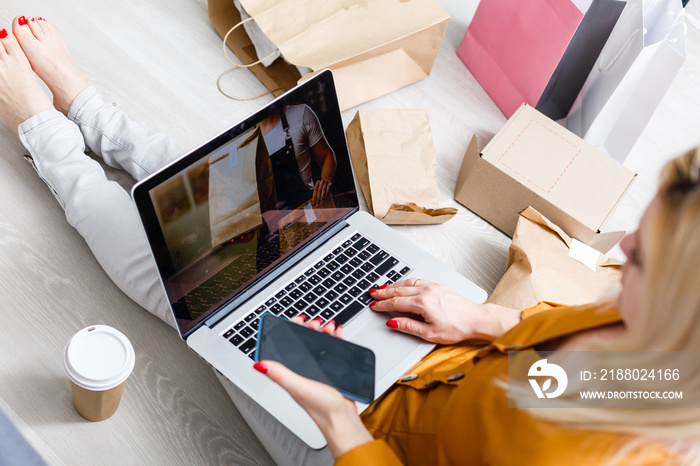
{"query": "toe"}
(48, 30)
(3, 35)
(22, 30)
(10, 44)
(36, 28)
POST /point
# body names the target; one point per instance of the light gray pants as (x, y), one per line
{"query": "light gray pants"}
(105, 215)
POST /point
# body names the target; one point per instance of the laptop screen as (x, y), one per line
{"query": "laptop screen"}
(235, 208)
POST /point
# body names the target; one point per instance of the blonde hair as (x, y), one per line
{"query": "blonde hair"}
(669, 320)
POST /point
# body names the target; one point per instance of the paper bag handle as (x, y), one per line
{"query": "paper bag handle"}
(237, 66)
(672, 28)
(605, 67)
(602, 67)
(677, 19)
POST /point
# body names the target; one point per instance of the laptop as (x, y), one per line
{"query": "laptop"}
(236, 230)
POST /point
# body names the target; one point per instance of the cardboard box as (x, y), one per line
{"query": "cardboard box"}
(533, 161)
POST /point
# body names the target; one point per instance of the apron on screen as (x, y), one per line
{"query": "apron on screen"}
(291, 189)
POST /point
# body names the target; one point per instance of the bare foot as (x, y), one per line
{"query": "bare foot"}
(48, 54)
(21, 96)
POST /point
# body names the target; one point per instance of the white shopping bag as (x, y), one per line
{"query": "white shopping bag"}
(643, 55)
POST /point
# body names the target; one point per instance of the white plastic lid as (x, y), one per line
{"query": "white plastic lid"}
(98, 358)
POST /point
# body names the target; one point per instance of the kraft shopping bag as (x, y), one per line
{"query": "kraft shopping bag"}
(393, 155)
(277, 76)
(635, 69)
(370, 52)
(538, 51)
(544, 264)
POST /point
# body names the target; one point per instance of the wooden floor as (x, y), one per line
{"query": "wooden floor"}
(159, 60)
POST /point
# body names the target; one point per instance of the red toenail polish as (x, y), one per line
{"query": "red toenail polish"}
(22, 21)
(3, 33)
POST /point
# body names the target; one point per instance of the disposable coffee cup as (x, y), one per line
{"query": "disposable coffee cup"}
(98, 360)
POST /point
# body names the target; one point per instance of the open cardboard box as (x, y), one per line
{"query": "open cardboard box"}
(533, 161)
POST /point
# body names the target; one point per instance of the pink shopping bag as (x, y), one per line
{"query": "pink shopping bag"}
(533, 51)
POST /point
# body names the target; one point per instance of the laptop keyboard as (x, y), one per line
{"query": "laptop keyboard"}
(334, 288)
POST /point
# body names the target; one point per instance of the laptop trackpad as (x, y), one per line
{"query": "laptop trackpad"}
(389, 346)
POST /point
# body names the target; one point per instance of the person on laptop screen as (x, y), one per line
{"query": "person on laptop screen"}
(294, 138)
(238, 211)
(452, 408)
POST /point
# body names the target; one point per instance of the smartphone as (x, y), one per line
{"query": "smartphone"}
(347, 367)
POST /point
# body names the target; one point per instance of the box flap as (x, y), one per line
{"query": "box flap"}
(470, 158)
(559, 166)
(622, 195)
(604, 242)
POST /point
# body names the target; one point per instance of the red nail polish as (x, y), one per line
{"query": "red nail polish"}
(303, 317)
(330, 322)
(40, 18)
(22, 21)
(3, 33)
(317, 319)
(31, 19)
(338, 328)
(373, 290)
(392, 324)
(383, 286)
(372, 304)
(260, 367)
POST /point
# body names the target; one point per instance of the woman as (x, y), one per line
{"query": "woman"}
(453, 411)
(56, 133)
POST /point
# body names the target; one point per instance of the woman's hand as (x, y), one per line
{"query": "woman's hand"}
(447, 317)
(334, 414)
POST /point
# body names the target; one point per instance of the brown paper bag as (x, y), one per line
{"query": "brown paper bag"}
(394, 159)
(540, 268)
(279, 77)
(372, 47)
(238, 192)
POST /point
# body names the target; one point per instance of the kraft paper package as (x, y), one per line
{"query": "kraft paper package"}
(370, 53)
(393, 156)
(546, 264)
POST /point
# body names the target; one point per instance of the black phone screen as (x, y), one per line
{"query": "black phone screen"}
(313, 354)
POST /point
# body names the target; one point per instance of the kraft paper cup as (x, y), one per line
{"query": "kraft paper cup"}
(98, 360)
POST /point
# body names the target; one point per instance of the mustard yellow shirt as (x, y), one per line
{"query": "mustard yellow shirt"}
(448, 410)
